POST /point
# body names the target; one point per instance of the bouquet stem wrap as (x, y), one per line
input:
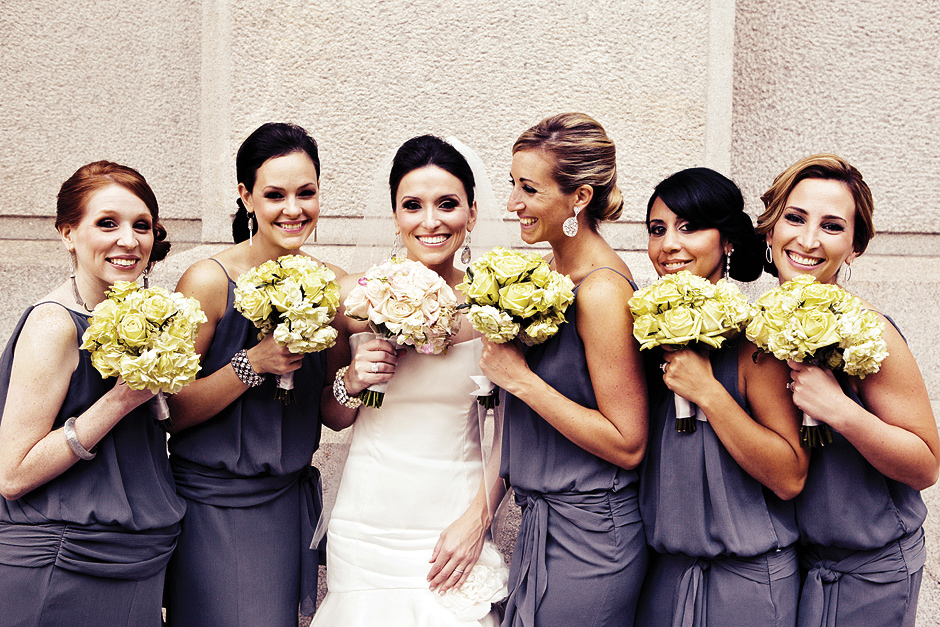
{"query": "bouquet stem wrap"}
(161, 411)
(374, 394)
(285, 388)
(685, 414)
(813, 433)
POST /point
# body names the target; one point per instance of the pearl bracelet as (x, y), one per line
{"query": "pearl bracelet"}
(244, 371)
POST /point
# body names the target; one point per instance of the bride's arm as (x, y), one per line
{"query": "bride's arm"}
(461, 543)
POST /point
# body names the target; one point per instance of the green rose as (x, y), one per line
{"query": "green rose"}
(484, 290)
(157, 307)
(253, 303)
(681, 325)
(496, 325)
(815, 329)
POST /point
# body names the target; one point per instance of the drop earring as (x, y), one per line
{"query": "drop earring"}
(848, 273)
(465, 253)
(251, 228)
(768, 255)
(78, 297)
(728, 262)
(395, 246)
(146, 278)
(570, 226)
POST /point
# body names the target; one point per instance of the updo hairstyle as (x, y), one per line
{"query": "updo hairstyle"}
(709, 200)
(72, 201)
(425, 150)
(826, 167)
(268, 141)
(582, 154)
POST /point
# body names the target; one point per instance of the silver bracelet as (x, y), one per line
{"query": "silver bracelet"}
(72, 440)
(244, 371)
(339, 391)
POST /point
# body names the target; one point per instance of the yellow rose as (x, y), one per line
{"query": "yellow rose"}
(484, 290)
(815, 329)
(645, 330)
(519, 299)
(132, 330)
(539, 330)
(253, 303)
(157, 307)
(509, 268)
(681, 325)
(121, 290)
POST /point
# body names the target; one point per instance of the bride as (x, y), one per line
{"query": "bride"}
(407, 537)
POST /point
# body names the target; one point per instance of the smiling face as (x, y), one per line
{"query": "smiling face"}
(676, 244)
(285, 200)
(815, 232)
(536, 198)
(112, 241)
(432, 216)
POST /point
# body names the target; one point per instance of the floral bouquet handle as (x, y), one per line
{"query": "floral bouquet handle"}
(285, 388)
(161, 411)
(686, 412)
(373, 395)
(487, 393)
(813, 433)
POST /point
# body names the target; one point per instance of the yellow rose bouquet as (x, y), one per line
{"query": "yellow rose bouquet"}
(408, 304)
(514, 294)
(820, 324)
(295, 298)
(147, 337)
(682, 309)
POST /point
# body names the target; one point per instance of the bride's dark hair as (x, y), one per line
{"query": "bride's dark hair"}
(426, 150)
(270, 140)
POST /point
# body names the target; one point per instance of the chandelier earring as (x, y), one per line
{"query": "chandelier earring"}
(728, 262)
(75, 293)
(570, 226)
(768, 254)
(396, 247)
(465, 253)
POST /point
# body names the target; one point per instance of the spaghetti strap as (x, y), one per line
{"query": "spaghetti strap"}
(630, 281)
(225, 271)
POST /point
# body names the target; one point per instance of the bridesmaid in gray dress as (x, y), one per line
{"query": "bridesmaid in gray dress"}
(241, 458)
(860, 514)
(575, 422)
(714, 501)
(89, 514)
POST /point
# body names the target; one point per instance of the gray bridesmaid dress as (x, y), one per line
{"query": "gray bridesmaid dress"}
(580, 554)
(721, 542)
(862, 541)
(253, 498)
(91, 546)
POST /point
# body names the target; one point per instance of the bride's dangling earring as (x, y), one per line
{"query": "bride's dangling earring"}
(396, 245)
(465, 253)
(570, 226)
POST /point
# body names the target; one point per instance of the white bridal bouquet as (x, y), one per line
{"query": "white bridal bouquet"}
(147, 337)
(820, 324)
(515, 294)
(408, 304)
(295, 298)
(681, 309)
(486, 584)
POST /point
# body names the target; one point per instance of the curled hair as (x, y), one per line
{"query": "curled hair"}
(425, 150)
(582, 154)
(268, 141)
(826, 167)
(709, 200)
(72, 201)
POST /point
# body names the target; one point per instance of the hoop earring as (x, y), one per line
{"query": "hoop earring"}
(251, 228)
(848, 273)
(396, 245)
(570, 226)
(768, 255)
(465, 253)
(728, 262)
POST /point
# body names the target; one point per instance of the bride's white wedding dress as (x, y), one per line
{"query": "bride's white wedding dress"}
(414, 466)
